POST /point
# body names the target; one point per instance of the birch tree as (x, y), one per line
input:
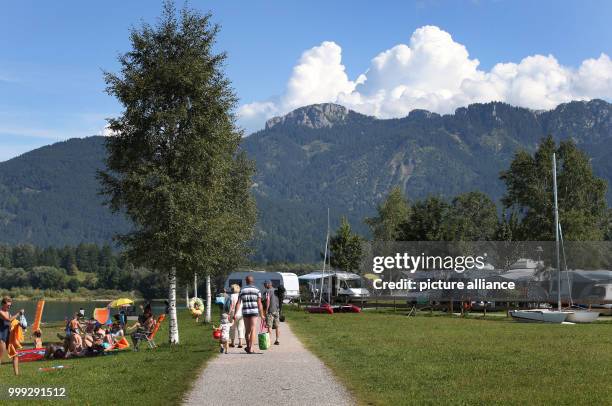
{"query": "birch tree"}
(173, 165)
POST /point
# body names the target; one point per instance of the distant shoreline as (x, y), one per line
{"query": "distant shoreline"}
(83, 299)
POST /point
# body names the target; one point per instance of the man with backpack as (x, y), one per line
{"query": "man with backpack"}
(271, 307)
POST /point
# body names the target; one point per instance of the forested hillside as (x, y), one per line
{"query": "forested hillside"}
(317, 157)
(49, 196)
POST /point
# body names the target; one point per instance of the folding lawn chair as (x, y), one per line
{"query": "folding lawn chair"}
(148, 336)
(412, 311)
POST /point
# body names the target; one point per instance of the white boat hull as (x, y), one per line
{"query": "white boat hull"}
(539, 316)
(582, 316)
(603, 309)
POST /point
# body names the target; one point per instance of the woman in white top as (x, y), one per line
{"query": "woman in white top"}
(238, 326)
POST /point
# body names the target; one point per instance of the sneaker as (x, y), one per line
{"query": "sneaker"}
(239, 345)
(276, 342)
(232, 345)
(226, 351)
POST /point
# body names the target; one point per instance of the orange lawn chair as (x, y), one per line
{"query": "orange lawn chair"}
(148, 336)
(151, 336)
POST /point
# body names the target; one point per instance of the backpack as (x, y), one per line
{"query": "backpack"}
(280, 292)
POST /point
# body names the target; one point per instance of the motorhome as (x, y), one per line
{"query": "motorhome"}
(288, 280)
(344, 285)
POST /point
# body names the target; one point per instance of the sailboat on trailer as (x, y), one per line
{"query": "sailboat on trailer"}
(578, 315)
(548, 315)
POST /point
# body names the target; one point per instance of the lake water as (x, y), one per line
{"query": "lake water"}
(59, 310)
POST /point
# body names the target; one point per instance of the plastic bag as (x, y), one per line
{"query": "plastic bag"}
(263, 337)
(23, 322)
(264, 340)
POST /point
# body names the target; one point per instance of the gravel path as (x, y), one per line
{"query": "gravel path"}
(284, 374)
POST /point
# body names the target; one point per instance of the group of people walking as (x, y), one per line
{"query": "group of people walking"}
(245, 306)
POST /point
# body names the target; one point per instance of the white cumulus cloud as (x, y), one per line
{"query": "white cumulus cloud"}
(106, 131)
(432, 72)
(319, 77)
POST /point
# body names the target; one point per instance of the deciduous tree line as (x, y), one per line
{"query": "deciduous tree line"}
(525, 213)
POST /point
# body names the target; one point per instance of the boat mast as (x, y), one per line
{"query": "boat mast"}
(554, 162)
(329, 285)
(324, 263)
(569, 283)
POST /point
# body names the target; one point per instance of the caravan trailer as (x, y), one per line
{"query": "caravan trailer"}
(288, 280)
(344, 285)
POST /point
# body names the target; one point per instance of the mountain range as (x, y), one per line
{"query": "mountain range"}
(315, 158)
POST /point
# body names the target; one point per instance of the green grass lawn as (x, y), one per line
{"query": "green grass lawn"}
(149, 377)
(387, 358)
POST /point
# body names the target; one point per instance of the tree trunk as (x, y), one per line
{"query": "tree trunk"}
(208, 301)
(187, 296)
(195, 285)
(173, 330)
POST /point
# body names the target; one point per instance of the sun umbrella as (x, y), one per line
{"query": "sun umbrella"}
(120, 302)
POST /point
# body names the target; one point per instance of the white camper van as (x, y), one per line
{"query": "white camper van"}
(288, 280)
(344, 285)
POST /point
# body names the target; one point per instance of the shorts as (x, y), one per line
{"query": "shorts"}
(4, 336)
(272, 320)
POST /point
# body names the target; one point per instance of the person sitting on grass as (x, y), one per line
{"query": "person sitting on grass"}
(54, 351)
(75, 344)
(37, 334)
(72, 347)
(94, 342)
(116, 328)
(109, 341)
(90, 326)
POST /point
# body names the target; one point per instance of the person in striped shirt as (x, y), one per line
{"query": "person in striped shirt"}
(249, 301)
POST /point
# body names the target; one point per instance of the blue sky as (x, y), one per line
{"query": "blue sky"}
(52, 55)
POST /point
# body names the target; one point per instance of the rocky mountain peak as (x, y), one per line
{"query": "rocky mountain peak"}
(313, 116)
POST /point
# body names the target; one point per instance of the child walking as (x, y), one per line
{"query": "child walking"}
(225, 332)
